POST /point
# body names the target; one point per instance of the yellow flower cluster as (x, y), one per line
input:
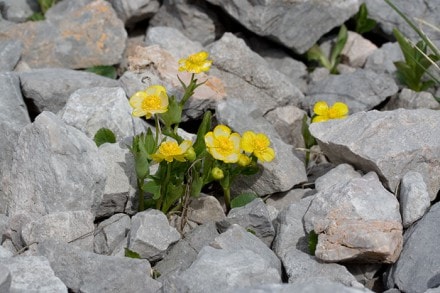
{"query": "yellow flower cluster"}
(153, 100)
(323, 112)
(195, 63)
(170, 150)
(230, 147)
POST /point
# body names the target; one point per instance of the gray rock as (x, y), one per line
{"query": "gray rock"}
(243, 116)
(84, 271)
(77, 35)
(248, 77)
(289, 22)
(322, 285)
(367, 140)
(131, 12)
(357, 49)
(88, 111)
(287, 122)
(5, 278)
(172, 40)
(18, 10)
(358, 220)
(32, 274)
(4, 253)
(237, 238)
(13, 117)
(382, 60)
(50, 88)
(110, 233)
(183, 253)
(409, 99)
(361, 90)
(10, 52)
(3, 223)
(205, 209)
(120, 187)
(219, 270)
(195, 21)
(417, 268)
(151, 235)
(74, 227)
(253, 217)
(388, 19)
(414, 198)
(283, 200)
(11, 238)
(340, 174)
(71, 174)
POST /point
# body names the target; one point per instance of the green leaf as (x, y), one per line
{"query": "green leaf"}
(174, 192)
(103, 70)
(315, 53)
(341, 40)
(363, 23)
(152, 187)
(309, 140)
(243, 199)
(46, 4)
(37, 16)
(104, 135)
(313, 241)
(131, 254)
(196, 185)
(199, 145)
(174, 113)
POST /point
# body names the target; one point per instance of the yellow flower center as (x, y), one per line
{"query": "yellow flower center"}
(224, 146)
(170, 148)
(151, 103)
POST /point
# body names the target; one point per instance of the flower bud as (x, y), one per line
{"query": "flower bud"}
(244, 160)
(217, 173)
(190, 154)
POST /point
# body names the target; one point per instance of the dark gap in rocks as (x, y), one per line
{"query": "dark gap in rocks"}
(191, 126)
(382, 105)
(138, 29)
(436, 199)
(32, 109)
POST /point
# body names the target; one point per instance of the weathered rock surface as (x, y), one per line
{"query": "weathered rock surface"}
(10, 52)
(110, 233)
(131, 12)
(71, 174)
(269, 18)
(74, 35)
(390, 143)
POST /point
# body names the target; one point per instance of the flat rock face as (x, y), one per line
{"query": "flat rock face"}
(71, 175)
(72, 36)
(269, 18)
(391, 143)
(358, 220)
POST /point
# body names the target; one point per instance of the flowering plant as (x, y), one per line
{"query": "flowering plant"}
(184, 166)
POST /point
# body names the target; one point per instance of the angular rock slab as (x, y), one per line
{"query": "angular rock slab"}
(84, 271)
(31, 272)
(289, 22)
(417, 269)
(55, 168)
(361, 90)
(389, 143)
(72, 36)
(358, 220)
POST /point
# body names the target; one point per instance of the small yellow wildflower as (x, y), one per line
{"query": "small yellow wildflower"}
(217, 173)
(257, 144)
(244, 160)
(195, 63)
(152, 101)
(323, 112)
(223, 145)
(170, 150)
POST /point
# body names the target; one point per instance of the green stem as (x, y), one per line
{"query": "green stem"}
(163, 189)
(141, 206)
(156, 123)
(227, 195)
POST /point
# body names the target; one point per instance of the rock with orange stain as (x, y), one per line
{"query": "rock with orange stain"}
(151, 65)
(74, 35)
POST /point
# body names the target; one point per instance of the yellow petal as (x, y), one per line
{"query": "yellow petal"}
(268, 155)
(340, 108)
(137, 99)
(319, 119)
(247, 141)
(155, 90)
(221, 130)
(320, 108)
(209, 139)
(185, 145)
(236, 139)
(138, 112)
(262, 140)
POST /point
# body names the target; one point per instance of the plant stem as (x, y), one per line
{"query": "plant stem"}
(227, 196)
(141, 206)
(157, 125)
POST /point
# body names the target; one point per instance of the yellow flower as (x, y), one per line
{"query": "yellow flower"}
(257, 144)
(217, 173)
(170, 150)
(244, 160)
(152, 101)
(195, 63)
(323, 112)
(222, 144)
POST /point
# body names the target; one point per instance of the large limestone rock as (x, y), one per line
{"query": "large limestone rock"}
(289, 22)
(55, 168)
(391, 143)
(356, 221)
